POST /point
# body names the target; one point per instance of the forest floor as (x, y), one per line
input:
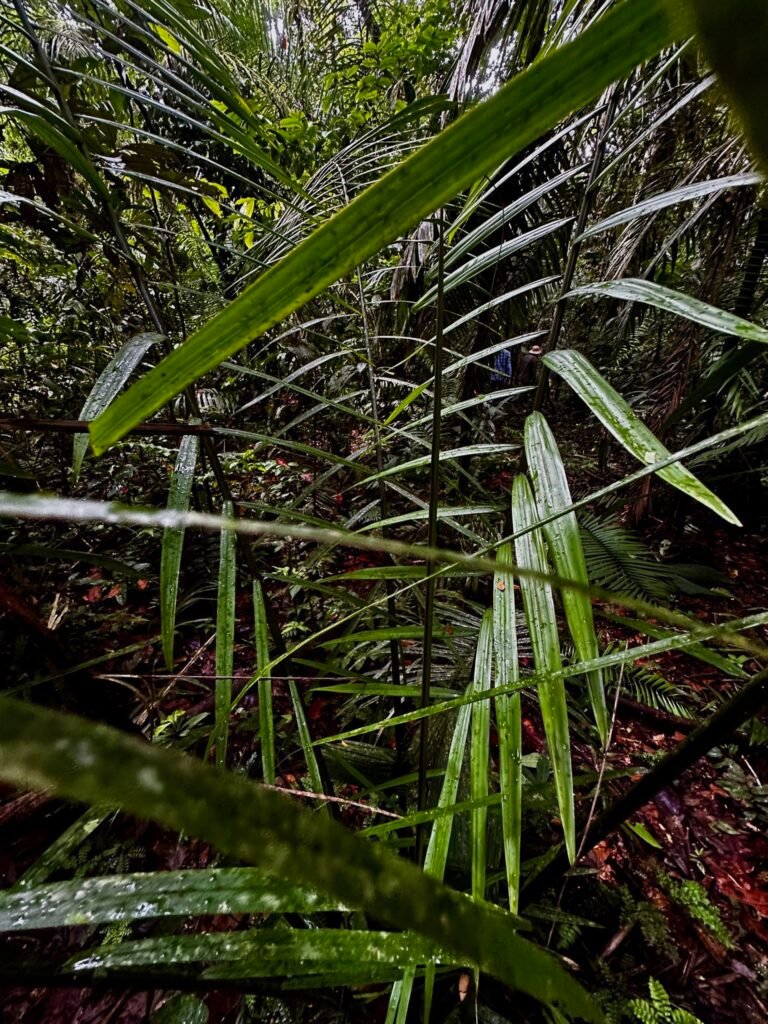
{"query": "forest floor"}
(710, 953)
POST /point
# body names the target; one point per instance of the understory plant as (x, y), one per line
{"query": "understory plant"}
(325, 274)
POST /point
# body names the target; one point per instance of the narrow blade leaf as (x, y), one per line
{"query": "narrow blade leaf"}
(550, 485)
(225, 638)
(266, 722)
(684, 194)
(636, 290)
(108, 385)
(539, 606)
(142, 896)
(474, 145)
(479, 751)
(617, 417)
(173, 541)
(42, 749)
(508, 720)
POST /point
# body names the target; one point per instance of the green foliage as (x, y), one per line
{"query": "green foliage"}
(652, 689)
(658, 1009)
(691, 897)
(396, 203)
(650, 920)
(181, 1010)
(619, 560)
(618, 418)
(179, 495)
(201, 173)
(565, 546)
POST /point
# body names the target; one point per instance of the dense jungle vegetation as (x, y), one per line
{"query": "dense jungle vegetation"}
(384, 453)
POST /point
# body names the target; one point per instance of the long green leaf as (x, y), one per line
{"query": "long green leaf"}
(684, 194)
(617, 417)
(479, 750)
(490, 258)
(633, 289)
(673, 642)
(266, 721)
(73, 758)
(436, 857)
(263, 952)
(499, 219)
(499, 300)
(58, 856)
(449, 456)
(735, 38)
(108, 385)
(422, 514)
(173, 541)
(140, 896)
(225, 638)
(305, 739)
(508, 720)
(539, 607)
(381, 634)
(476, 144)
(55, 132)
(550, 485)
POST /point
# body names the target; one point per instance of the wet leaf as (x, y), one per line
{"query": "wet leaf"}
(617, 416)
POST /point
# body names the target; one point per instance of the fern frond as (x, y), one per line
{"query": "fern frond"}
(620, 561)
